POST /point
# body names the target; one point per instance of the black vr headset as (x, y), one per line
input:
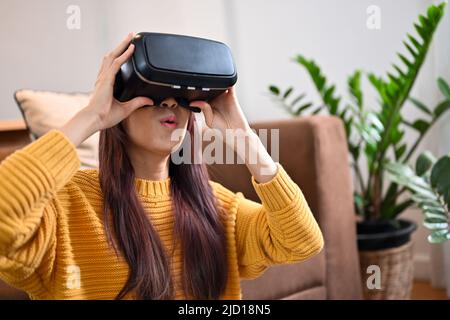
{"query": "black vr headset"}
(170, 65)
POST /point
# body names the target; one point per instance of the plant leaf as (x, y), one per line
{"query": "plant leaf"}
(444, 87)
(302, 108)
(424, 162)
(317, 110)
(421, 125)
(439, 236)
(413, 40)
(440, 177)
(400, 151)
(354, 87)
(287, 92)
(274, 90)
(326, 91)
(435, 224)
(441, 108)
(405, 176)
(433, 215)
(420, 105)
(298, 99)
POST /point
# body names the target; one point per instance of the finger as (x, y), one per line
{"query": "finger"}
(122, 46)
(109, 58)
(136, 103)
(206, 109)
(232, 90)
(115, 66)
(105, 63)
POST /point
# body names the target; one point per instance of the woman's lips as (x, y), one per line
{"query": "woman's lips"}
(169, 125)
(169, 122)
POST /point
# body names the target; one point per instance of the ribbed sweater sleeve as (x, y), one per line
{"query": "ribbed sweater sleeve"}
(29, 181)
(280, 229)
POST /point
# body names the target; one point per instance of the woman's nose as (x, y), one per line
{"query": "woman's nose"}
(169, 102)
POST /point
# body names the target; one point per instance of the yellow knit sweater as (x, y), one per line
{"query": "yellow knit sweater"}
(53, 244)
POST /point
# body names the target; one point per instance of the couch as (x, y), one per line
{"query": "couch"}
(313, 151)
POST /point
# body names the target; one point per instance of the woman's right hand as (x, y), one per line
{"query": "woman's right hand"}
(103, 110)
(108, 110)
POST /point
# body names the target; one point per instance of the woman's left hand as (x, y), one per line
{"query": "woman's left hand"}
(223, 112)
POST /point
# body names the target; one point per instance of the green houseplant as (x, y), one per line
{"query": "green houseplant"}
(429, 185)
(376, 137)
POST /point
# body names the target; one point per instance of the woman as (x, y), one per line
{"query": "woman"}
(141, 226)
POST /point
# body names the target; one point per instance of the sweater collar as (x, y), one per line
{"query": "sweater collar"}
(152, 188)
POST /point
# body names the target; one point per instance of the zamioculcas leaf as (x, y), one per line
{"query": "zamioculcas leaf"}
(405, 176)
(373, 119)
(424, 163)
(444, 87)
(288, 92)
(405, 60)
(440, 177)
(418, 198)
(400, 151)
(438, 209)
(302, 108)
(421, 125)
(326, 91)
(435, 223)
(296, 100)
(354, 86)
(420, 105)
(274, 90)
(317, 110)
(422, 191)
(401, 207)
(420, 31)
(441, 108)
(359, 201)
(396, 136)
(410, 49)
(432, 215)
(413, 40)
(439, 236)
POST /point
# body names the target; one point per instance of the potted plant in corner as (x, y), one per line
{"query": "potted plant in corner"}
(376, 138)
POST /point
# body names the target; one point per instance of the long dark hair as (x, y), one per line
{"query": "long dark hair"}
(197, 225)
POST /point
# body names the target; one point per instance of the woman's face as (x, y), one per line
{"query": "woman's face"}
(151, 128)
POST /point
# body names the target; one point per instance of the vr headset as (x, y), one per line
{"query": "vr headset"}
(170, 65)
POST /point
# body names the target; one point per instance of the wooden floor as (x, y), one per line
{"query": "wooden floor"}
(421, 291)
(424, 291)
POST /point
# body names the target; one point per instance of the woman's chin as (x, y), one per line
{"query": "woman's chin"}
(165, 147)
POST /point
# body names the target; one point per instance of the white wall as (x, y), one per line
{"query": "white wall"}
(441, 254)
(39, 52)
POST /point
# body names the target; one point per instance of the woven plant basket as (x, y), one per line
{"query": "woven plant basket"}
(396, 270)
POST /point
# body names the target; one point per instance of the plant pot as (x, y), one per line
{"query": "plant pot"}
(386, 258)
